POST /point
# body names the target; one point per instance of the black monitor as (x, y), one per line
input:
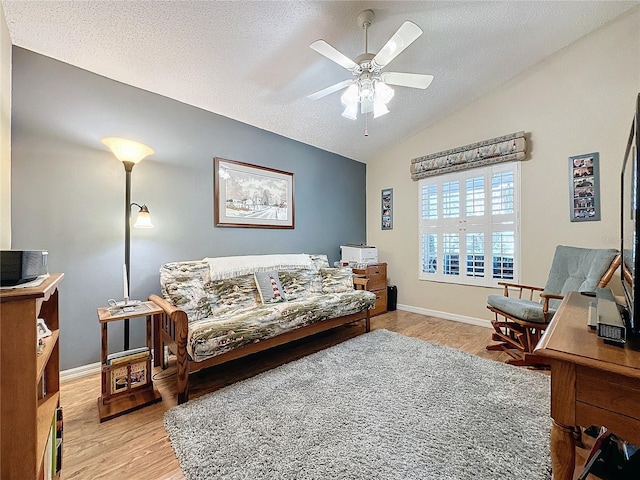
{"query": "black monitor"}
(630, 227)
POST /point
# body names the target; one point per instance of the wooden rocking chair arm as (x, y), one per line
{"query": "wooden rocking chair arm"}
(545, 304)
(551, 296)
(617, 261)
(518, 285)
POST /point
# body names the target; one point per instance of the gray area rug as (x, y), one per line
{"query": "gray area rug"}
(379, 406)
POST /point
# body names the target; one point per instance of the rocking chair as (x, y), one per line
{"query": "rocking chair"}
(520, 322)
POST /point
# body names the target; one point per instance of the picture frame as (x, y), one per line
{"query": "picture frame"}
(584, 187)
(252, 196)
(135, 373)
(42, 329)
(387, 209)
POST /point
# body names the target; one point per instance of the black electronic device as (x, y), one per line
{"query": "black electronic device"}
(21, 266)
(610, 325)
(630, 226)
(392, 297)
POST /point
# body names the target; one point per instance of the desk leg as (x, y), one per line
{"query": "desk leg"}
(563, 452)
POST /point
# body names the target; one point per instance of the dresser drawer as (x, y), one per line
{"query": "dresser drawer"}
(381, 302)
(594, 387)
(377, 276)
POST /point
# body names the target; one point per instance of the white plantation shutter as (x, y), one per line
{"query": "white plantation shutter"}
(469, 226)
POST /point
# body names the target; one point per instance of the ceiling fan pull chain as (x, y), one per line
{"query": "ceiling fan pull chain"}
(366, 124)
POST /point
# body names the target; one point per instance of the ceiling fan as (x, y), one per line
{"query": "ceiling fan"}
(369, 85)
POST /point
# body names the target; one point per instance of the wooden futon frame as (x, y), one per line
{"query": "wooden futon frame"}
(172, 331)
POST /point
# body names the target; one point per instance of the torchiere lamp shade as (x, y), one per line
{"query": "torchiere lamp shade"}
(127, 150)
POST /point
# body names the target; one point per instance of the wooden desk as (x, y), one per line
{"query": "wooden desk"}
(592, 383)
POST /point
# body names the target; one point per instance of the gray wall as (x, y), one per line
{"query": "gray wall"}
(68, 190)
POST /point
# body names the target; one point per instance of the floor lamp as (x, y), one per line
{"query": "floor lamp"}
(129, 153)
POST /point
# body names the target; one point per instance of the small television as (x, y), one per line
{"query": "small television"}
(630, 225)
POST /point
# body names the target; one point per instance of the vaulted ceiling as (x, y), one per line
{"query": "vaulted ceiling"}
(251, 61)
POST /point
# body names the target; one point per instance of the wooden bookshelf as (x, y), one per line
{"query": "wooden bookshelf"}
(28, 407)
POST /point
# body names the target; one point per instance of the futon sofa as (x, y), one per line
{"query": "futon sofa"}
(220, 309)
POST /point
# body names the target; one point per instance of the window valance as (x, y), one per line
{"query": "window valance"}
(496, 150)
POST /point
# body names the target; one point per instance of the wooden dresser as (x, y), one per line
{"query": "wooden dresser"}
(377, 275)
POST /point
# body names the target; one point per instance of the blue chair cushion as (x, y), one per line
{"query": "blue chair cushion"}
(577, 269)
(526, 310)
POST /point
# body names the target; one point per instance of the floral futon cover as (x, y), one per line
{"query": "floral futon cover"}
(226, 313)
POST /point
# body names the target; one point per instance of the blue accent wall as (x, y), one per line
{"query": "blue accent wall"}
(68, 190)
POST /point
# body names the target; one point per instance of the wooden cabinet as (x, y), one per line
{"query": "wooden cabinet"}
(377, 275)
(30, 381)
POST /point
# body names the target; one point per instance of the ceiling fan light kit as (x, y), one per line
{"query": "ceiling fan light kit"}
(369, 88)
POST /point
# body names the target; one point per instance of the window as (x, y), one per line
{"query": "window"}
(469, 226)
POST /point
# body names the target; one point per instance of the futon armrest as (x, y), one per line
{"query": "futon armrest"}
(163, 304)
(174, 325)
(177, 316)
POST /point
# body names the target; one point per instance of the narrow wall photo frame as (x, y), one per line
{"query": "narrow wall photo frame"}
(584, 187)
(387, 209)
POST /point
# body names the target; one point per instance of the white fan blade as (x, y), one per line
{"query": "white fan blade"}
(323, 48)
(333, 88)
(413, 80)
(366, 106)
(405, 36)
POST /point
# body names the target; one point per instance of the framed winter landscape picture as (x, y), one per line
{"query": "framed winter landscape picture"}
(252, 196)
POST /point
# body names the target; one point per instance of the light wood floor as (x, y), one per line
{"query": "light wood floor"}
(135, 445)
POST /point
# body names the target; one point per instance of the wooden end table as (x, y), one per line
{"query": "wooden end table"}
(134, 394)
(592, 383)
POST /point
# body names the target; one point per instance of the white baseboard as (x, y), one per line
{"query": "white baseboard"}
(79, 372)
(82, 371)
(446, 316)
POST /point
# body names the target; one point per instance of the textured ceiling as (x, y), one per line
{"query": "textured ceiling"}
(251, 61)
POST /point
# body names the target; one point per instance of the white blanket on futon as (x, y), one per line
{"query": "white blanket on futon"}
(228, 267)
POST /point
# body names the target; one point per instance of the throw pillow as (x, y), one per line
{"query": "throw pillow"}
(337, 280)
(269, 286)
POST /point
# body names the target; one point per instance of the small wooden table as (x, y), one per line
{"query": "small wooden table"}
(110, 404)
(592, 383)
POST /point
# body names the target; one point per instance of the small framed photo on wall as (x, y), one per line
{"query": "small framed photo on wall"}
(584, 187)
(387, 209)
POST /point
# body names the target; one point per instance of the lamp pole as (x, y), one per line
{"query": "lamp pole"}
(129, 153)
(128, 167)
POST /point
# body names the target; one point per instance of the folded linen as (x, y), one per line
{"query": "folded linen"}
(228, 267)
